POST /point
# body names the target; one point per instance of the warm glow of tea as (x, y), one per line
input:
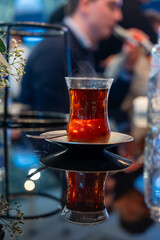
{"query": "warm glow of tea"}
(88, 114)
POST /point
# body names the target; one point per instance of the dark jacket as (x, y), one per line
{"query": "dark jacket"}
(43, 85)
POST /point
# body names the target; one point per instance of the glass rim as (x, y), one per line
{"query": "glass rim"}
(90, 78)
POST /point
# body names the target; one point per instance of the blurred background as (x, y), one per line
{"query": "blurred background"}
(41, 10)
(23, 10)
(129, 216)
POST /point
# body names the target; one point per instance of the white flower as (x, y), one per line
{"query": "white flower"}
(15, 67)
(6, 82)
(14, 41)
(21, 50)
(20, 72)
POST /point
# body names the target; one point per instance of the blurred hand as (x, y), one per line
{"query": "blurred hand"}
(131, 51)
(104, 63)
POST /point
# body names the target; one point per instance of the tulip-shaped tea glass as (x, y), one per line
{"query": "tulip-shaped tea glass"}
(87, 123)
(85, 198)
(88, 108)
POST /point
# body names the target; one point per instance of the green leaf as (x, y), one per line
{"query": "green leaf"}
(2, 234)
(2, 46)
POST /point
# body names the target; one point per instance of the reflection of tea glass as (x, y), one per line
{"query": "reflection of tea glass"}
(88, 108)
(85, 198)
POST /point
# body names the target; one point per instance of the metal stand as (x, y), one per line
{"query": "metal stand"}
(8, 121)
(52, 30)
(26, 195)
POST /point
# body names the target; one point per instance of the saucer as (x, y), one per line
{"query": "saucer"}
(87, 156)
(115, 138)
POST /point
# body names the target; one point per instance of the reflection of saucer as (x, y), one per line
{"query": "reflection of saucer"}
(87, 156)
(115, 138)
(82, 161)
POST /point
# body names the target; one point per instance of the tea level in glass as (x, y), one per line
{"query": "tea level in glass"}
(88, 114)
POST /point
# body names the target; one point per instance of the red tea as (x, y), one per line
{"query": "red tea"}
(88, 114)
(86, 191)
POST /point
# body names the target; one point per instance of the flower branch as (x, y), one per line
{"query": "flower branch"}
(12, 226)
(15, 64)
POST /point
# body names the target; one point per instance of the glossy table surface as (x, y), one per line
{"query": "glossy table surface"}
(25, 154)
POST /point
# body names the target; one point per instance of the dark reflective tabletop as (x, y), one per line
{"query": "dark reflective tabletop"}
(44, 195)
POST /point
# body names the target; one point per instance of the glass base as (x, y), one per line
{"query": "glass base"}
(155, 213)
(85, 218)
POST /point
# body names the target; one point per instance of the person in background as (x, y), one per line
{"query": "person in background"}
(89, 22)
(127, 188)
(130, 60)
(154, 18)
(133, 17)
(138, 79)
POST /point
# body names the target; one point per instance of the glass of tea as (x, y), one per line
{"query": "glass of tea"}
(88, 108)
(85, 198)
